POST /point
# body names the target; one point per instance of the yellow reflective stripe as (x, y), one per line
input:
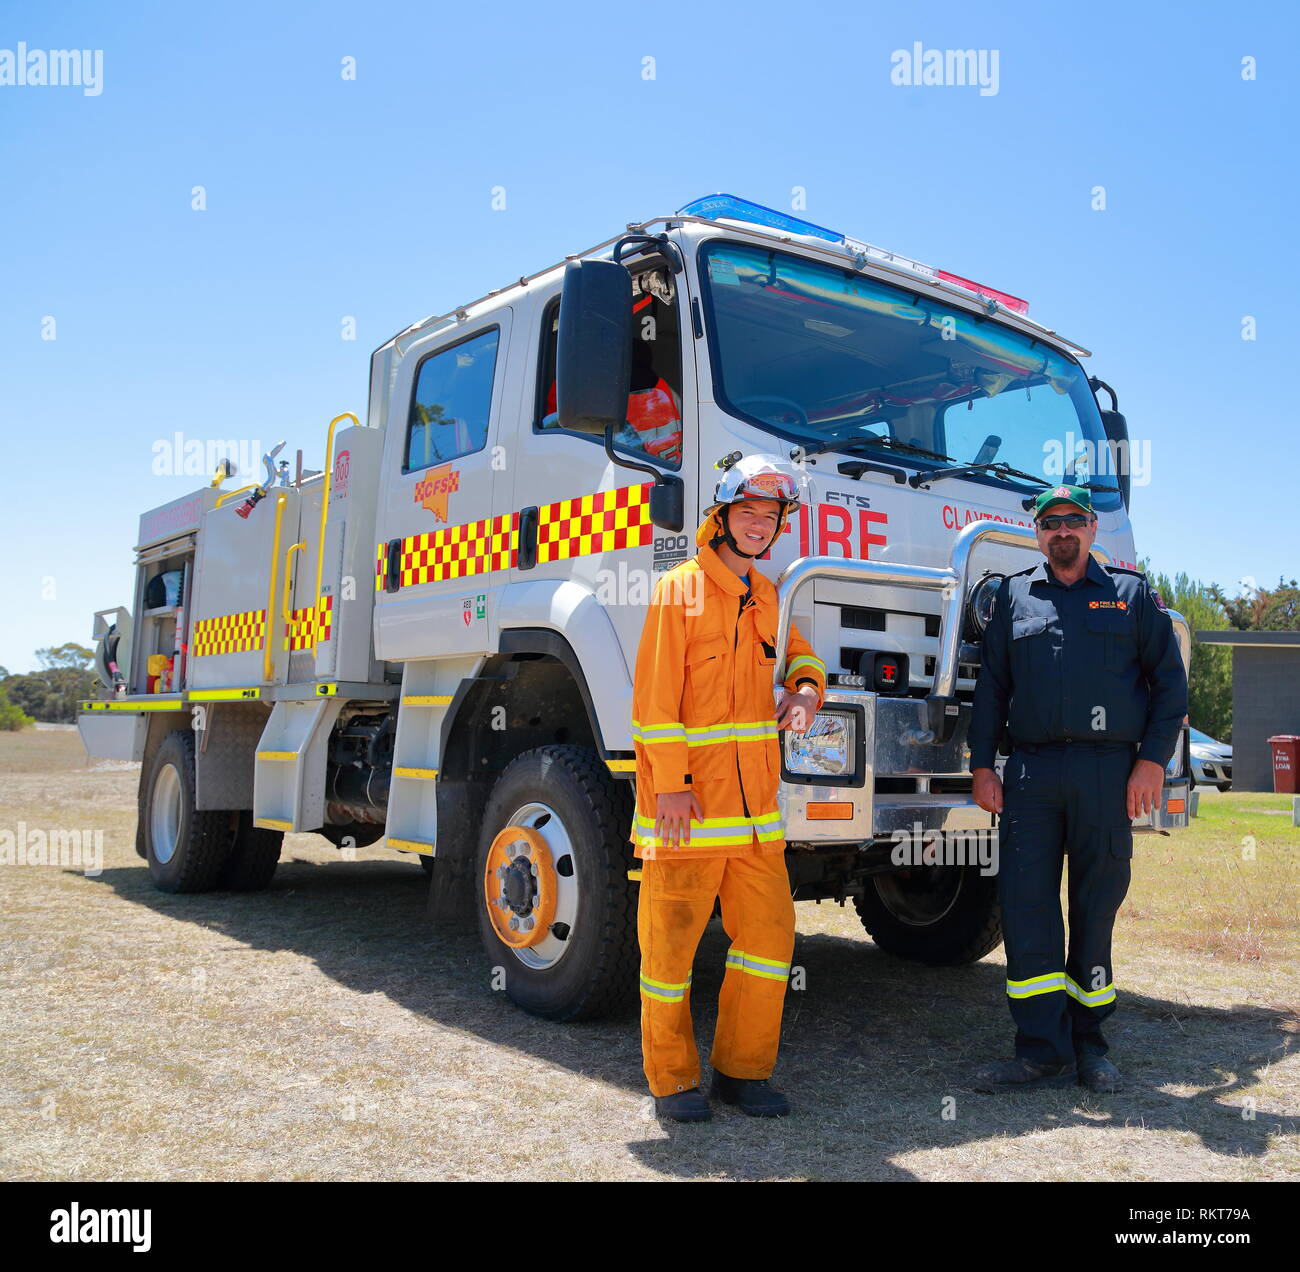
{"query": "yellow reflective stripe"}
(726, 730)
(426, 774)
(658, 984)
(714, 832)
(810, 660)
(270, 823)
(426, 700)
(1034, 985)
(663, 998)
(766, 962)
(222, 695)
(763, 819)
(753, 965)
(1089, 998)
(664, 991)
(647, 734)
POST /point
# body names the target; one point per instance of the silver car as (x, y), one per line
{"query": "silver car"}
(1211, 761)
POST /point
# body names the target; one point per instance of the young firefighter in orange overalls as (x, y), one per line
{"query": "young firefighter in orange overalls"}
(707, 823)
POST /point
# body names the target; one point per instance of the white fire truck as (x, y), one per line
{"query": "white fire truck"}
(431, 640)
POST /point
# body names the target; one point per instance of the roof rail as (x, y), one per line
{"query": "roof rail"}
(834, 253)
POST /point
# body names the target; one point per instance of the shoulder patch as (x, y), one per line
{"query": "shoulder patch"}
(1159, 600)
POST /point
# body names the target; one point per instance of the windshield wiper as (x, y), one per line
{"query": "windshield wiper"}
(853, 443)
(917, 480)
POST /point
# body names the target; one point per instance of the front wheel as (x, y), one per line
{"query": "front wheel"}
(557, 912)
(934, 914)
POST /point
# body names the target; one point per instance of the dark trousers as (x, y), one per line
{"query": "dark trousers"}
(1063, 801)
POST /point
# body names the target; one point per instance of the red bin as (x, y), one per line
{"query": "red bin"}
(1286, 763)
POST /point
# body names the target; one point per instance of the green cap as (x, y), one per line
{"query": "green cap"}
(1075, 495)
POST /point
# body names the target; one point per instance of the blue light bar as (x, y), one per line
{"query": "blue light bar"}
(717, 206)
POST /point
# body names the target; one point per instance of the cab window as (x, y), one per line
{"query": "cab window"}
(653, 427)
(452, 401)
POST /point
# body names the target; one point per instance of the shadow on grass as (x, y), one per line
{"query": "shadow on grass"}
(875, 1050)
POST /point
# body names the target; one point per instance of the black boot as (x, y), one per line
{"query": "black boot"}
(1021, 1075)
(750, 1095)
(683, 1106)
(1098, 1074)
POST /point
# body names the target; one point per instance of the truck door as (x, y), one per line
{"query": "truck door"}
(588, 518)
(443, 527)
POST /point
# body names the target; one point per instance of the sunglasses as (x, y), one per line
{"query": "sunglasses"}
(1075, 521)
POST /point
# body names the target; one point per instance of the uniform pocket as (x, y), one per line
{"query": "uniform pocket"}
(1121, 841)
(708, 679)
(1035, 625)
(1115, 628)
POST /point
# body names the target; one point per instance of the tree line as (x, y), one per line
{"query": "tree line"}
(65, 677)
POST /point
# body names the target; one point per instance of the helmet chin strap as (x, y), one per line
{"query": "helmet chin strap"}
(725, 518)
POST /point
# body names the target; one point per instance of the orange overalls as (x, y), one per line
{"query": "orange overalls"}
(704, 721)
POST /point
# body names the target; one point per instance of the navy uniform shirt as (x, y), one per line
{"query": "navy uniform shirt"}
(1095, 661)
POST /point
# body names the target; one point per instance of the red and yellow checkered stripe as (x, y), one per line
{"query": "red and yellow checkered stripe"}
(305, 630)
(477, 547)
(606, 521)
(229, 633)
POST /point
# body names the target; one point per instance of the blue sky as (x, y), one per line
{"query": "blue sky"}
(371, 199)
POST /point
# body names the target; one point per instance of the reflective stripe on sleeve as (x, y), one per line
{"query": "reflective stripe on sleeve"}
(806, 660)
(648, 734)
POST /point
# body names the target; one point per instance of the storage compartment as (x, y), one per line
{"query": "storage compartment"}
(161, 647)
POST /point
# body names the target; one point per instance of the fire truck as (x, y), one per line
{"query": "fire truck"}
(429, 642)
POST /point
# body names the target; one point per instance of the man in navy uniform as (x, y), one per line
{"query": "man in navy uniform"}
(1082, 671)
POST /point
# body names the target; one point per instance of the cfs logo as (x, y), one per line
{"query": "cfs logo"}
(434, 488)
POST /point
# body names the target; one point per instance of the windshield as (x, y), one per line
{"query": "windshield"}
(818, 354)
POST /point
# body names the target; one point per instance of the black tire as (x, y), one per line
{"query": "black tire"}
(942, 915)
(362, 834)
(595, 973)
(1224, 786)
(185, 849)
(253, 858)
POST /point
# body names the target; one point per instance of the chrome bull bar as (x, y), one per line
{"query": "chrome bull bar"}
(952, 583)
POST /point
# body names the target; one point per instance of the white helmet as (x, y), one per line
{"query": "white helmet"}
(751, 477)
(759, 477)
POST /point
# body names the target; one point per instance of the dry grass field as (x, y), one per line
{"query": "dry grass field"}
(324, 1029)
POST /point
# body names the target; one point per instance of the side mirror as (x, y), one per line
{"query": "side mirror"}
(593, 370)
(1116, 427)
(668, 502)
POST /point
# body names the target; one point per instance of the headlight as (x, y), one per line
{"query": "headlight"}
(827, 749)
(979, 606)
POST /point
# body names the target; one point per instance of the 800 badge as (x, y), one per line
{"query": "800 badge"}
(670, 550)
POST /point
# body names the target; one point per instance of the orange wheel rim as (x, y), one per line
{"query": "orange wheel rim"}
(519, 887)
